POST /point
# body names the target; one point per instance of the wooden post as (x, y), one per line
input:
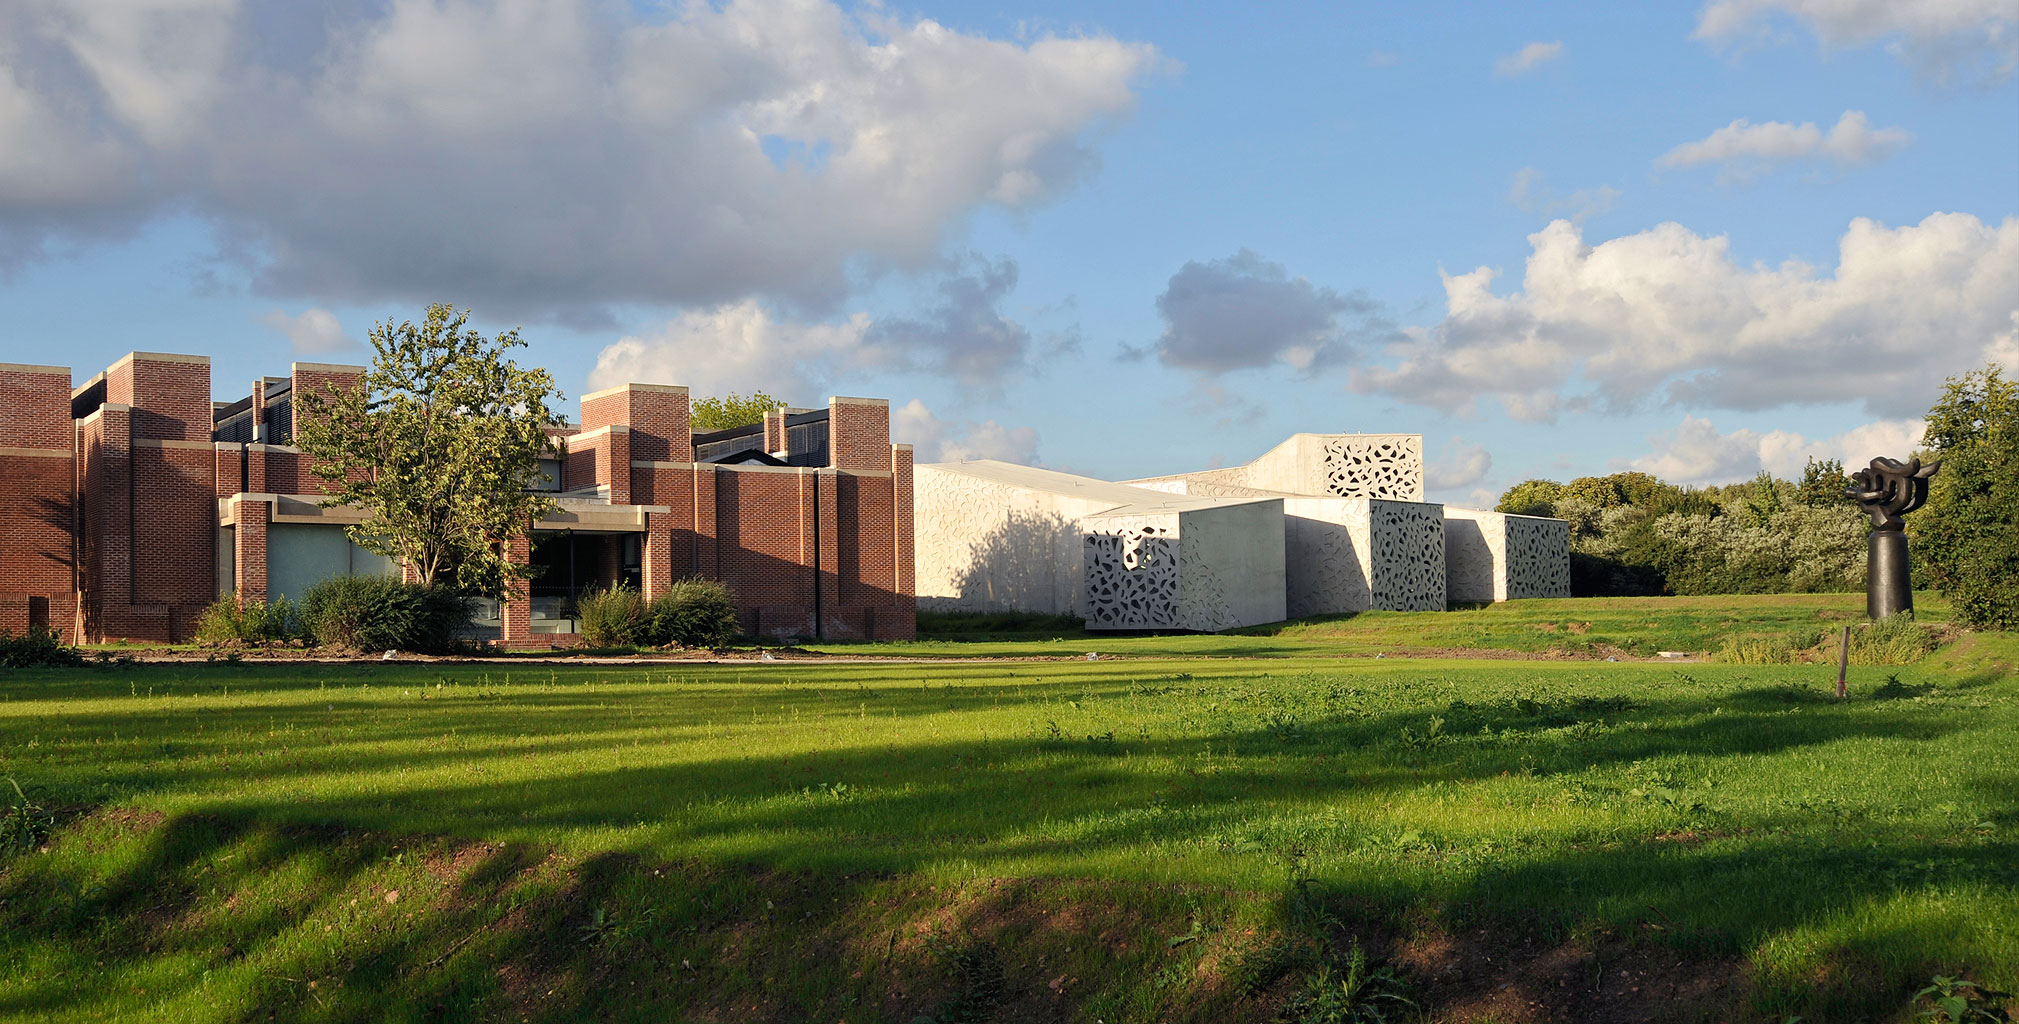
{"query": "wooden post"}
(1843, 660)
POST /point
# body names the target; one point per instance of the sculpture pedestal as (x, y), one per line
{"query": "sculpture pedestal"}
(1889, 588)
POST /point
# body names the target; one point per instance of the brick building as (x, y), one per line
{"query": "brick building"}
(134, 500)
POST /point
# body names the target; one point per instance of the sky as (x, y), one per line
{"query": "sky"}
(1119, 239)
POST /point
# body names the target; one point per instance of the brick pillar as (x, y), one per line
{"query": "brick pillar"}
(516, 611)
(248, 544)
(616, 468)
(774, 431)
(905, 624)
(657, 571)
(706, 548)
(114, 522)
(828, 573)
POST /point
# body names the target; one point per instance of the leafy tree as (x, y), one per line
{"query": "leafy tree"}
(1967, 537)
(1822, 485)
(1531, 498)
(731, 410)
(438, 446)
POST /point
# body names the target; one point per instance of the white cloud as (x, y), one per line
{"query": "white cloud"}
(744, 345)
(312, 331)
(1753, 147)
(1461, 465)
(1667, 314)
(1945, 40)
(1245, 311)
(738, 347)
(1697, 453)
(1529, 193)
(1527, 59)
(941, 440)
(551, 156)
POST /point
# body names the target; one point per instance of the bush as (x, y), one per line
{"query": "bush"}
(612, 618)
(39, 647)
(380, 613)
(229, 620)
(1966, 541)
(693, 613)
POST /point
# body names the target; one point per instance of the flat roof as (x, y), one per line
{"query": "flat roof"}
(1127, 500)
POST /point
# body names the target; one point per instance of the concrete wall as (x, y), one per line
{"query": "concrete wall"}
(1325, 556)
(989, 546)
(1406, 556)
(1231, 566)
(1493, 556)
(1334, 465)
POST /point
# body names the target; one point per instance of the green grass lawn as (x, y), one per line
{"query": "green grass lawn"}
(1634, 627)
(1138, 840)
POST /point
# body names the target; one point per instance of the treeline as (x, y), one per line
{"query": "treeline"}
(1632, 534)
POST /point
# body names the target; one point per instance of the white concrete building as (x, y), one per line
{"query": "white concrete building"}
(991, 536)
(1343, 512)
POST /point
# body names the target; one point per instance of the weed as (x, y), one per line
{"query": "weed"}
(1349, 992)
(1949, 1000)
(24, 825)
(978, 979)
(1431, 737)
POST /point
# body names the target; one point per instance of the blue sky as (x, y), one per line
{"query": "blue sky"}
(1118, 239)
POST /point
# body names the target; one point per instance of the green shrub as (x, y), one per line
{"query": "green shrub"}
(229, 620)
(380, 613)
(1894, 640)
(39, 647)
(1966, 541)
(693, 613)
(612, 618)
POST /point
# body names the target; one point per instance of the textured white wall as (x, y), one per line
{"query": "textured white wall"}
(984, 546)
(1231, 566)
(1492, 556)
(1538, 557)
(1475, 562)
(1406, 563)
(1133, 568)
(1325, 556)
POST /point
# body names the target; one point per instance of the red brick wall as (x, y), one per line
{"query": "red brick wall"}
(604, 408)
(858, 433)
(318, 378)
(170, 395)
(248, 552)
(660, 428)
(36, 518)
(35, 407)
(38, 470)
(173, 520)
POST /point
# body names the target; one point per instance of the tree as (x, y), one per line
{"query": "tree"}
(438, 445)
(732, 410)
(1531, 498)
(1822, 485)
(1967, 536)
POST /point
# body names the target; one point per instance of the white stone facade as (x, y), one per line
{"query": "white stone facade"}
(1494, 556)
(1321, 524)
(992, 537)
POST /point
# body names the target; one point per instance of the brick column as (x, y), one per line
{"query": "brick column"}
(516, 611)
(248, 548)
(616, 468)
(827, 574)
(905, 624)
(774, 431)
(657, 571)
(706, 549)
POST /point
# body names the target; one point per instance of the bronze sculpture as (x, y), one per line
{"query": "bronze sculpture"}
(1888, 490)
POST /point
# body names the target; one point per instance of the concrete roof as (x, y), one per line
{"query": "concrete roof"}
(1127, 500)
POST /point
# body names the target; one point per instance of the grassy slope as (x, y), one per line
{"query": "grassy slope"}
(789, 841)
(1572, 627)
